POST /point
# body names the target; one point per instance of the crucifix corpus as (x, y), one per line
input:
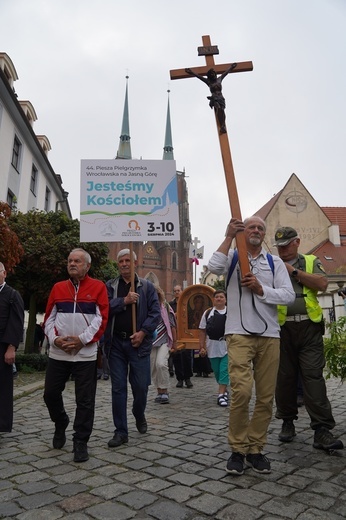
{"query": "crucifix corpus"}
(209, 75)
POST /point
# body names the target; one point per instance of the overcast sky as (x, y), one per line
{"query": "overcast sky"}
(286, 116)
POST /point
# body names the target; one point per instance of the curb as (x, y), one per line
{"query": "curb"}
(27, 390)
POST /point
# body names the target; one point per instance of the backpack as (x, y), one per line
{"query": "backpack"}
(215, 328)
(235, 260)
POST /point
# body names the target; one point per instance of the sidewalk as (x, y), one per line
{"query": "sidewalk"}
(174, 472)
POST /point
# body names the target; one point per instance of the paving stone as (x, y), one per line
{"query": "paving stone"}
(78, 502)
(180, 494)
(207, 503)
(238, 511)
(68, 490)
(111, 491)
(187, 479)
(110, 511)
(38, 500)
(176, 471)
(283, 506)
(30, 488)
(154, 484)
(137, 499)
(168, 511)
(8, 509)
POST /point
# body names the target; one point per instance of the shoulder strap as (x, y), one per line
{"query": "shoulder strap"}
(207, 312)
(235, 260)
(270, 262)
(232, 267)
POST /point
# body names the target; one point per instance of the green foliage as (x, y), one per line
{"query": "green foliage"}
(219, 285)
(335, 349)
(110, 270)
(47, 240)
(11, 250)
(29, 363)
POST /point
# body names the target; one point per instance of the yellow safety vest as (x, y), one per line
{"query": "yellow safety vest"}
(313, 308)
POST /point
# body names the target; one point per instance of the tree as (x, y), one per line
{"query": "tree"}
(219, 285)
(11, 250)
(47, 239)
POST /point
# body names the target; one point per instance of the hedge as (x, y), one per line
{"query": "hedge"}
(36, 362)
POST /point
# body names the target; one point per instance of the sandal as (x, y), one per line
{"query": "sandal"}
(222, 400)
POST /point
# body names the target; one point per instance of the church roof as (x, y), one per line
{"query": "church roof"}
(337, 215)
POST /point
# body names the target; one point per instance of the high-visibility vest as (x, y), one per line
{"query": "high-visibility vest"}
(313, 308)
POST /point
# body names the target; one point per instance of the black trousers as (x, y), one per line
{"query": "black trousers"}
(6, 392)
(182, 360)
(85, 377)
(302, 352)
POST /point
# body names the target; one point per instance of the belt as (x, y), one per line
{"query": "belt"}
(122, 334)
(297, 317)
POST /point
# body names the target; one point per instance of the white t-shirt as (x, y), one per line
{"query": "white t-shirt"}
(215, 348)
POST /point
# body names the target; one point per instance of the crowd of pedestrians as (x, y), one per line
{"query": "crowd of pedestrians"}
(265, 331)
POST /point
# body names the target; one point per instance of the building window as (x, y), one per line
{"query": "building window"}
(33, 180)
(17, 146)
(174, 261)
(47, 200)
(10, 199)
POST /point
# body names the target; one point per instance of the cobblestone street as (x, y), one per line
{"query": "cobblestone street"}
(174, 472)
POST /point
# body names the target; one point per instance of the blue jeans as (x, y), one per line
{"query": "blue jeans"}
(123, 361)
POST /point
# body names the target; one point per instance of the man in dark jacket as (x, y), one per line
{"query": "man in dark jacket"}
(11, 333)
(129, 351)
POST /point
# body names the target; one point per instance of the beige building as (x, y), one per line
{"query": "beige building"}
(322, 231)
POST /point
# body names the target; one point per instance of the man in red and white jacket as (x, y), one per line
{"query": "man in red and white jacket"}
(76, 317)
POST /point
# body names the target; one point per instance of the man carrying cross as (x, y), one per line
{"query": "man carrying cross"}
(253, 340)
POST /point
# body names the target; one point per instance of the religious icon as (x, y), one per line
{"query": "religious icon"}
(196, 306)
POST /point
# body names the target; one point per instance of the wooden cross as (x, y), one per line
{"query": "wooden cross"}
(209, 51)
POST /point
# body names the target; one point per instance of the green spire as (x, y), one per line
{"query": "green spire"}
(124, 150)
(168, 147)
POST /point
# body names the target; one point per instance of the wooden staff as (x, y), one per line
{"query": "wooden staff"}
(133, 287)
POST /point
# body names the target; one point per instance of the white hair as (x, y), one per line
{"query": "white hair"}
(124, 252)
(86, 254)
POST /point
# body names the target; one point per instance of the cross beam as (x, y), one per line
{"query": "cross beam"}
(209, 51)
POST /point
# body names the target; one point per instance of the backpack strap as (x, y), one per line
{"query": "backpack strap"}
(207, 312)
(235, 260)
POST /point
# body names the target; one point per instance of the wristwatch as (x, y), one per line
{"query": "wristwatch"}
(294, 273)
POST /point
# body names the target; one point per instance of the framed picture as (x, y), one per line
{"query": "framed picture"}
(192, 303)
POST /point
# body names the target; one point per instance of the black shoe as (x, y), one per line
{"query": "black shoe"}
(180, 384)
(198, 374)
(171, 374)
(80, 450)
(188, 383)
(288, 431)
(59, 438)
(105, 377)
(118, 440)
(235, 464)
(324, 440)
(258, 462)
(141, 425)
